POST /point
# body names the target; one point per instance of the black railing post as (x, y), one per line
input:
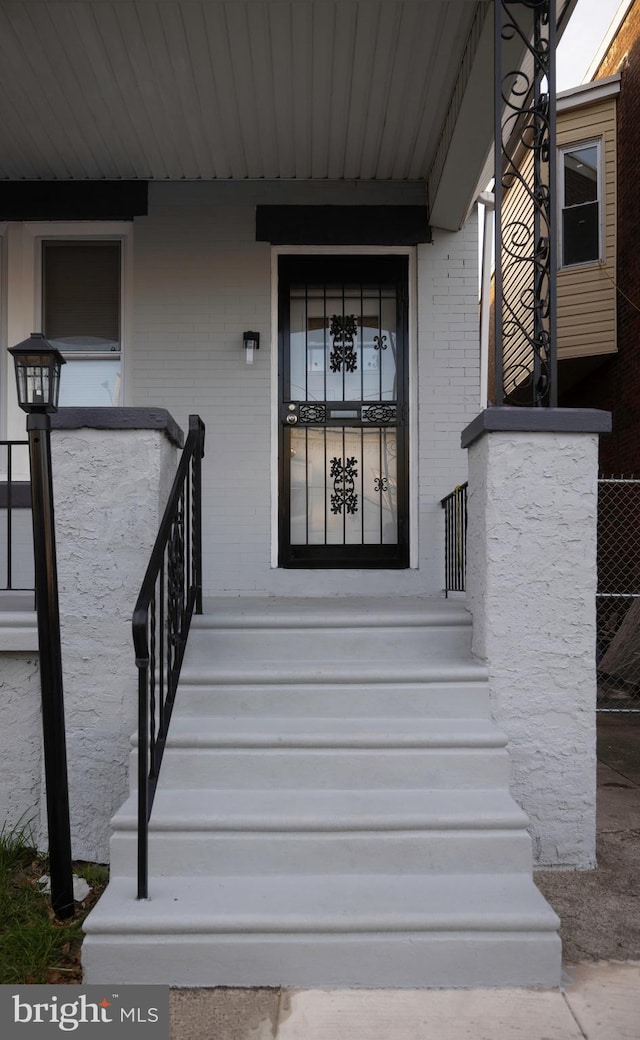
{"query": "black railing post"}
(50, 653)
(9, 517)
(195, 423)
(143, 770)
(497, 191)
(553, 211)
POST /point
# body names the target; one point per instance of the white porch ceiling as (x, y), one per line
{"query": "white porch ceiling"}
(205, 89)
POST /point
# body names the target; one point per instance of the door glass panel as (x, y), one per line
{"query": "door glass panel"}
(380, 480)
(342, 345)
(297, 350)
(343, 486)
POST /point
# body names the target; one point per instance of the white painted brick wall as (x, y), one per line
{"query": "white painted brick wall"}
(531, 589)
(200, 280)
(448, 380)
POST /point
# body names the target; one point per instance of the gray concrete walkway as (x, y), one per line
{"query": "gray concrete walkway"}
(600, 1001)
(600, 995)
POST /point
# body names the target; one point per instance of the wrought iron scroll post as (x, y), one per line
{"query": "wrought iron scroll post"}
(526, 240)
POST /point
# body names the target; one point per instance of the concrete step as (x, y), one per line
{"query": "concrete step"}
(326, 732)
(319, 612)
(288, 699)
(198, 832)
(325, 930)
(319, 630)
(256, 752)
(210, 670)
(332, 810)
(439, 768)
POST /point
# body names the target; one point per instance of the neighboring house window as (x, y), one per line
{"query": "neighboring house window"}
(580, 200)
(82, 317)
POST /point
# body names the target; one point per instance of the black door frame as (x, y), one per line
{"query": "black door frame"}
(390, 268)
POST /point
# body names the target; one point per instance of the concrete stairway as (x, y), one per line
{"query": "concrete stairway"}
(333, 811)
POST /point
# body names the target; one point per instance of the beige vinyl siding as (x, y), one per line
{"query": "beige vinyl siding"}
(586, 292)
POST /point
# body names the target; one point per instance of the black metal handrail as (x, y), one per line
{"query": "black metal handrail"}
(13, 495)
(455, 539)
(170, 594)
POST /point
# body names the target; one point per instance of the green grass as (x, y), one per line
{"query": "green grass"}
(95, 874)
(34, 946)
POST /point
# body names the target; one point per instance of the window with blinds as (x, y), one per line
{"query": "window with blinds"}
(81, 309)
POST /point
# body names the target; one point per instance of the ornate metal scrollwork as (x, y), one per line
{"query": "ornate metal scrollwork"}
(310, 413)
(343, 476)
(525, 233)
(381, 484)
(380, 342)
(343, 331)
(176, 578)
(379, 413)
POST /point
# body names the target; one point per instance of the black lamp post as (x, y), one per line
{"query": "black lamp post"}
(37, 366)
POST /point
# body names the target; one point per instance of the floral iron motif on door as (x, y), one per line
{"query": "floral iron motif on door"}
(344, 485)
(343, 330)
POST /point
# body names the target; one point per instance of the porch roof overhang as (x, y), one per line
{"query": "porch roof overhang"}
(250, 89)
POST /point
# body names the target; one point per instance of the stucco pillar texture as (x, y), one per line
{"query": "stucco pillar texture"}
(110, 488)
(20, 743)
(531, 589)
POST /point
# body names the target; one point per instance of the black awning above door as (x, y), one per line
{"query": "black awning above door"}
(342, 225)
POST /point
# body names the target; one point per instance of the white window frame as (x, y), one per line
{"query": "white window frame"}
(98, 231)
(22, 286)
(562, 150)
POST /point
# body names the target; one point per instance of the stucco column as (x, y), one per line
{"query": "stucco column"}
(531, 587)
(112, 469)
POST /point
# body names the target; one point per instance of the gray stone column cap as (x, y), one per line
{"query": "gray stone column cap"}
(118, 419)
(509, 419)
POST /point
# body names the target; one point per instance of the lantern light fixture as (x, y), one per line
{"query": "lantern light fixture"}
(37, 365)
(251, 342)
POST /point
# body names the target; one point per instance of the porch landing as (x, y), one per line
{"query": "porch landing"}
(333, 811)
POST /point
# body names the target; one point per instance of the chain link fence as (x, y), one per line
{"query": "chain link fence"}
(618, 598)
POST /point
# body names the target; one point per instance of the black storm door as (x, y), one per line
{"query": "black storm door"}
(343, 496)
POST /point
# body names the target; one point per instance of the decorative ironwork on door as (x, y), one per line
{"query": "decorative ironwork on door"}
(343, 331)
(343, 472)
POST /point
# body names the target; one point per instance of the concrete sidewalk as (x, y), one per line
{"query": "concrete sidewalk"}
(600, 995)
(600, 1001)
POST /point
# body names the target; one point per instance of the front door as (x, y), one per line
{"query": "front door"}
(343, 333)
